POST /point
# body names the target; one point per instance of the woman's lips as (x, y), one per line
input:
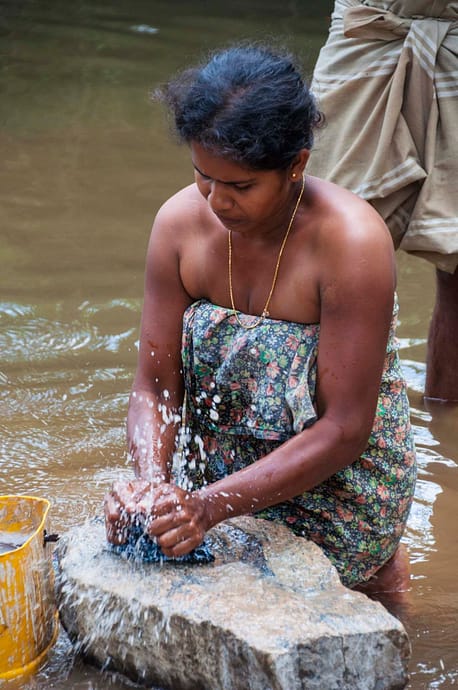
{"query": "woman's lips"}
(228, 221)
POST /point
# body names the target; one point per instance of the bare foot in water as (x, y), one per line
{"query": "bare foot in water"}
(392, 577)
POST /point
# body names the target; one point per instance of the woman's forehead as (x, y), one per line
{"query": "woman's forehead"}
(218, 167)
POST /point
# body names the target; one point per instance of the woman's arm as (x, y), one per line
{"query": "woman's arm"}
(154, 411)
(157, 393)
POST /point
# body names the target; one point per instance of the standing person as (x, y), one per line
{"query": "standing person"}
(387, 81)
(270, 310)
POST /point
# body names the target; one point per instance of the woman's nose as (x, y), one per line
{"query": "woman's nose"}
(219, 197)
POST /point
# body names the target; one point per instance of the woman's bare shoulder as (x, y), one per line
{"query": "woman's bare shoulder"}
(183, 209)
(344, 219)
(355, 250)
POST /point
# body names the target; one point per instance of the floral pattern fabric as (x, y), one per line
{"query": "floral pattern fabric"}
(248, 391)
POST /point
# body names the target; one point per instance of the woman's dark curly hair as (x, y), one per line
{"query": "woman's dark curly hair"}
(247, 103)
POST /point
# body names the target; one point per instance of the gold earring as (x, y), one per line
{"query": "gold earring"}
(294, 175)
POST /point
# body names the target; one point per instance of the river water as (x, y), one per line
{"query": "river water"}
(85, 162)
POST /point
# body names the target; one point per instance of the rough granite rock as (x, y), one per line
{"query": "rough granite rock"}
(269, 613)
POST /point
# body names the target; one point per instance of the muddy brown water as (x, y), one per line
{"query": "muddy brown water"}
(85, 162)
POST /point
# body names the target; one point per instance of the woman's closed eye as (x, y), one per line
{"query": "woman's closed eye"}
(241, 187)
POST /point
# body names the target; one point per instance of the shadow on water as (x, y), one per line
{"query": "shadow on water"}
(86, 162)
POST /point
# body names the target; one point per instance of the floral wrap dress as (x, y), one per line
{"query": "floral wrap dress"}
(248, 391)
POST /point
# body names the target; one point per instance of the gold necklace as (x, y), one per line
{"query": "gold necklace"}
(265, 312)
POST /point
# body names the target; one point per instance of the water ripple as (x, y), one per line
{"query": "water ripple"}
(419, 534)
(26, 334)
(415, 374)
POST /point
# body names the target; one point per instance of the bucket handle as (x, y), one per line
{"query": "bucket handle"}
(47, 538)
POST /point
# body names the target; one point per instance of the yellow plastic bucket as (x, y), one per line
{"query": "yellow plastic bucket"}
(28, 616)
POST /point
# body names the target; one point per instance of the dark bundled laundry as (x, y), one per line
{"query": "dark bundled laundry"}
(140, 547)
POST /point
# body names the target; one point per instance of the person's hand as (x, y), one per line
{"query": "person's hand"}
(123, 504)
(178, 520)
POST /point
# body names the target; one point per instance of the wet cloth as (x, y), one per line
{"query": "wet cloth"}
(387, 82)
(248, 391)
(139, 547)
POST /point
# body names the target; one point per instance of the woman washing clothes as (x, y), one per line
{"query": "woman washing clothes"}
(269, 313)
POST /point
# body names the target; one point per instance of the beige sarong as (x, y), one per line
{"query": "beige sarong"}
(387, 82)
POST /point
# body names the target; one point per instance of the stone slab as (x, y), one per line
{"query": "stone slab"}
(269, 614)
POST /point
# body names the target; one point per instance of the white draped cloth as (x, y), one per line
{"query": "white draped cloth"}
(387, 82)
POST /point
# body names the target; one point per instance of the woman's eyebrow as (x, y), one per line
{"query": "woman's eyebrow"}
(222, 181)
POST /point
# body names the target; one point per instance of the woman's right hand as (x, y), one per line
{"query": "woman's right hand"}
(125, 503)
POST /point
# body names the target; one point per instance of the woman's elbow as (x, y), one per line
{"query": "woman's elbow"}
(351, 435)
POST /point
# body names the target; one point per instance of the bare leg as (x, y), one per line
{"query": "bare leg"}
(394, 576)
(442, 357)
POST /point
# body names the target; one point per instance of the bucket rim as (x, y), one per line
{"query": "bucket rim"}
(38, 529)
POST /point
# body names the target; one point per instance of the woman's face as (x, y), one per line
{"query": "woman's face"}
(244, 200)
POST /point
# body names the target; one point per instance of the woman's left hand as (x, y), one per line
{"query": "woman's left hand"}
(178, 520)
